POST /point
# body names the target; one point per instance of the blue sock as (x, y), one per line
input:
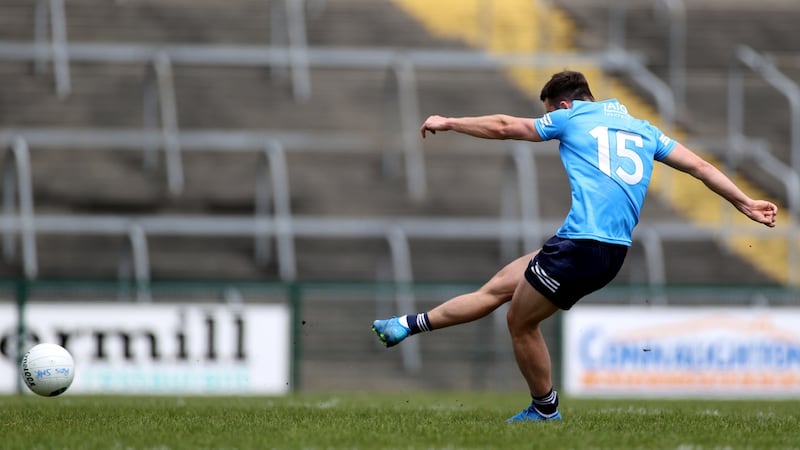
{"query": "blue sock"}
(418, 323)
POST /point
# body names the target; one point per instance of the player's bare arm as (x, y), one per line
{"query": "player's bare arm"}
(685, 160)
(495, 126)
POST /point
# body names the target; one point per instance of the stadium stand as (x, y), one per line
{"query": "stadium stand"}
(340, 138)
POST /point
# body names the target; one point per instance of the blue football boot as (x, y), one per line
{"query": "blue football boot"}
(390, 331)
(530, 414)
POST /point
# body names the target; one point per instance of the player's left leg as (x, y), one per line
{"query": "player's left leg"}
(528, 309)
(457, 310)
(475, 305)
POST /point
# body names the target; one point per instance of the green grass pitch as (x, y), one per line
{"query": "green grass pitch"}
(436, 420)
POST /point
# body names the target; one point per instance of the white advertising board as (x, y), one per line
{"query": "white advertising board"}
(195, 349)
(662, 351)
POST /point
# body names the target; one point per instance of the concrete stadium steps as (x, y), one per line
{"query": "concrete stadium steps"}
(367, 23)
(714, 30)
(232, 21)
(17, 20)
(344, 22)
(234, 98)
(102, 95)
(96, 181)
(111, 95)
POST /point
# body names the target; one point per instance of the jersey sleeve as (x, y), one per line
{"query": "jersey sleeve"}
(665, 145)
(551, 125)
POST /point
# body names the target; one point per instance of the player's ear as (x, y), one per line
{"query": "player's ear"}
(565, 104)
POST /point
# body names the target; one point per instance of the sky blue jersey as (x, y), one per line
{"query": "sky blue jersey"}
(608, 156)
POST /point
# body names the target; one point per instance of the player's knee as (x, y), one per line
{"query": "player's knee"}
(520, 324)
(515, 325)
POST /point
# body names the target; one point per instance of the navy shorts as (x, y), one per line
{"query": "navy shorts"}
(566, 270)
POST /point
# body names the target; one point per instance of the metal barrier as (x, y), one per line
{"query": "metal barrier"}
(140, 257)
(403, 276)
(51, 12)
(288, 28)
(788, 175)
(274, 177)
(17, 183)
(282, 225)
(520, 198)
(346, 227)
(673, 12)
(407, 102)
(356, 228)
(159, 94)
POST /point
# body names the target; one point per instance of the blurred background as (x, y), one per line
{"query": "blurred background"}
(255, 152)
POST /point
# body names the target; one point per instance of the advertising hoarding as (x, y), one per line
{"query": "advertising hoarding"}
(670, 351)
(194, 349)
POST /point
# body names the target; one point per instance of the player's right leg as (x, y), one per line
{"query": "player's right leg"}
(561, 274)
(528, 309)
(460, 309)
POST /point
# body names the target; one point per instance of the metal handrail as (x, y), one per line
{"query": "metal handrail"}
(408, 106)
(415, 227)
(272, 193)
(661, 92)
(159, 100)
(298, 49)
(400, 253)
(676, 17)
(355, 228)
(520, 199)
(140, 257)
(674, 11)
(762, 65)
(52, 12)
(17, 183)
(375, 58)
(288, 28)
(127, 139)
(786, 174)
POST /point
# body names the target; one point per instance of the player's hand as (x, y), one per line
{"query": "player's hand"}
(762, 211)
(434, 124)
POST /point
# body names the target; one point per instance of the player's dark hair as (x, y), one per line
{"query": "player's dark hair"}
(566, 85)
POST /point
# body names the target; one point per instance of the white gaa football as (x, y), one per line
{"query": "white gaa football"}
(48, 369)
